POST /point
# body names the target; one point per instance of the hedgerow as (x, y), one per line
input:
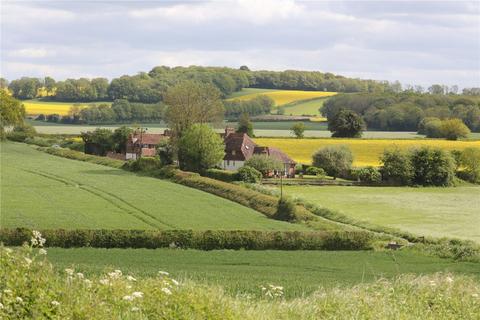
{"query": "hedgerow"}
(201, 240)
(222, 175)
(76, 155)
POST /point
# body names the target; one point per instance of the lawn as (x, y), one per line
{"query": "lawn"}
(283, 97)
(43, 191)
(438, 212)
(365, 151)
(300, 272)
(35, 107)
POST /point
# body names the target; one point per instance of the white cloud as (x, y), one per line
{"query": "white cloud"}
(252, 11)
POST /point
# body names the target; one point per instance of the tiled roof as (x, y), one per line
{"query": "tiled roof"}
(238, 146)
(148, 138)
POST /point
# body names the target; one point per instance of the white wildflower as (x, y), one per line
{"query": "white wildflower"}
(475, 295)
(115, 274)
(18, 299)
(128, 298)
(88, 282)
(8, 250)
(449, 279)
(69, 271)
(42, 251)
(7, 291)
(1, 306)
(135, 309)
(137, 294)
(163, 273)
(130, 278)
(432, 283)
(166, 291)
(175, 282)
(80, 275)
(28, 261)
(37, 239)
(104, 281)
(128, 286)
(55, 303)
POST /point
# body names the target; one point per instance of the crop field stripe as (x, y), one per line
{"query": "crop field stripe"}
(101, 194)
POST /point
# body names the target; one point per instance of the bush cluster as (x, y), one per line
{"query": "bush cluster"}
(315, 171)
(368, 174)
(249, 174)
(201, 240)
(143, 164)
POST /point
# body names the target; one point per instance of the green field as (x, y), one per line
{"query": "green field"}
(309, 107)
(43, 191)
(300, 272)
(439, 212)
(247, 91)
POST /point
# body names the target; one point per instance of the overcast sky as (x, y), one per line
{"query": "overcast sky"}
(421, 42)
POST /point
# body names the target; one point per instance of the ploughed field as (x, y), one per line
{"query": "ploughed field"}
(47, 192)
(439, 212)
(366, 151)
(299, 272)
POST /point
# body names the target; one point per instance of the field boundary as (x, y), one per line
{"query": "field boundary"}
(190, 239)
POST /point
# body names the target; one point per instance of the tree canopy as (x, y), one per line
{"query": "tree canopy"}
(12, 112)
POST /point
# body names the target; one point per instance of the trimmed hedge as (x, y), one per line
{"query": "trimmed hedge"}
(201, 240)
(76, 155)
(222, 175)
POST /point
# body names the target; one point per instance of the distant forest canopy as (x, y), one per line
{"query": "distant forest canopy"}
(404, 111)
(150, 87)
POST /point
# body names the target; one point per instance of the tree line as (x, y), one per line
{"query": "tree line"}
(151, 87)
(405, 111)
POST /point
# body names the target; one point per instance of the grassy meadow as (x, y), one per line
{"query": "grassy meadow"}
(438, 212)
(308, 107)
(366, 151)
(299, 272)
(47, 192)
(36, 107)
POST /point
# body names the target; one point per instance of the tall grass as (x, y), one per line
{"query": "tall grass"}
(32, 289)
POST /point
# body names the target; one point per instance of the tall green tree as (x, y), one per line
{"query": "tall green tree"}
(346, 124)
(12, 112)
(200, 148)
(245, 125)
(298, 129)
(191, 102)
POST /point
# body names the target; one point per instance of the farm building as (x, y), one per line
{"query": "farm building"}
(143, 145)
(239, 147)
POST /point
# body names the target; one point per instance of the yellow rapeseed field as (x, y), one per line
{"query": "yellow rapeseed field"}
(365, 151)
(35, 108)
(282, 97)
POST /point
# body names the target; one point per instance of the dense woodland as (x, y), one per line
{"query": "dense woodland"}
(405, 111)
(150, 87)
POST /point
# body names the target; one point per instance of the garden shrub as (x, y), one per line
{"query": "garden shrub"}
(222, 175)
(314, 171)
(335, 160)
(21, 133)
(249, 174)
(369, 174)
(469, 160)
(264, 163)
(396, 167)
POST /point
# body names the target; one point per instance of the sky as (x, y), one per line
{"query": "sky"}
(415, 42)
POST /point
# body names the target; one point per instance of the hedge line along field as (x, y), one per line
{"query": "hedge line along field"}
(438, 212)
(366, 151)
(299, 272)
(283, 97)
(36, 107)
(47, 192)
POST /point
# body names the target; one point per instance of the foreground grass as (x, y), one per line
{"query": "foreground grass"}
(32, 289)
(438, 212)
(47, 192)
(299, 272)
(366, 151)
